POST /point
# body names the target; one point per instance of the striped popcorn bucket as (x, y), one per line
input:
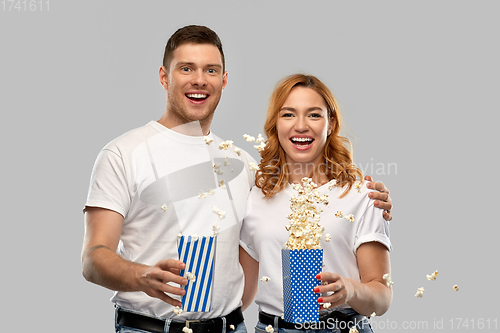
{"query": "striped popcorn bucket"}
(300, 268)
(198, 253)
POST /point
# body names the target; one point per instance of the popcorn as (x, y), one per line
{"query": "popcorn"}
(190, 276)
(232, 327)
(338, 214)
(204, 194)
(260, 147)
(331, 184)
(265, 278)
(260, 138)
(269, 329)
(358, 186)
(455, 287)
(220, 213)
(373, 314)
(349, 218)
(388, 280)
(186, 329)
(226, 144)
(283, 316)
(248, 138)
(253, 166)
(217, 169)
(353, 330)
(226, 161)
(433, 276)
(304, 228)
(221, 184)
(237, 151)
(420, 292)
(328, 237)
(177, 310)
(327, 305)
(208, 140)
(164, 207)
(215, 229)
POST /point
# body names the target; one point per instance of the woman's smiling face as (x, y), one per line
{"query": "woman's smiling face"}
(303, 126)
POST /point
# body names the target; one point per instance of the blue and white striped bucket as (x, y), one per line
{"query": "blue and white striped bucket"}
(199, 256)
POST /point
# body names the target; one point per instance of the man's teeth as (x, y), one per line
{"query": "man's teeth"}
(196, 95)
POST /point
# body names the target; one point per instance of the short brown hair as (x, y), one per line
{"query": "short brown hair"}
(192, 34)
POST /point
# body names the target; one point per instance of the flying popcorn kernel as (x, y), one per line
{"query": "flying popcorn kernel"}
(217, 169)
(327, 305)
(388, 280)
(237, 151)
(260, 147)
(177, 310)
(253, 166)
(353, 330)
(455, 287)
(226, 144)
(260, 138)
(186, 329)
(221, 184)
(202, 195)
(433, 276)
(328, 237)
(265, 278)
(215, 229)
(269, 329)
(190, 276)
(220, 213)
(283, 316)
(248, 138)
(338, 214)
(420, 292)
(232, 327)
(164, 207)
(349, 218)
(208, 140)
(373, 314)
(331, 184)
(358, 186)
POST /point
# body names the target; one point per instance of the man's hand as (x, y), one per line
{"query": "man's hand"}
(382, 198)
(153, 280)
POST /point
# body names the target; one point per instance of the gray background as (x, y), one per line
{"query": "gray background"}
(417, 83)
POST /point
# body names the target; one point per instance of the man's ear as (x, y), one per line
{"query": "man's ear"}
(163, 76)
(224, 80)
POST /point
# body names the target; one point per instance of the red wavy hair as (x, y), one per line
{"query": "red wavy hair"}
(272, 176)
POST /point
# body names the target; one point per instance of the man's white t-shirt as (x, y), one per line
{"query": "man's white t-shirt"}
(153, 177)
(263, 235)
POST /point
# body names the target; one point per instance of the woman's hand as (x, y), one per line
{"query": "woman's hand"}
(342, 289)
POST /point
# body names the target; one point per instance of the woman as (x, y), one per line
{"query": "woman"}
(302, 127)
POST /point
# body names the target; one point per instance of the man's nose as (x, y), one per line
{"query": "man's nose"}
(199, 78)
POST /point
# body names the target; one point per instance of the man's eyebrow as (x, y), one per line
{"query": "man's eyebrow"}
(187, 63)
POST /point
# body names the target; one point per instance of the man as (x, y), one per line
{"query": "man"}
(164, 179)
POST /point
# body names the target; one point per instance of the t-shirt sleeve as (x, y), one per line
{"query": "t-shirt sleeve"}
(247, 232)
(373, 228)
(108, 184)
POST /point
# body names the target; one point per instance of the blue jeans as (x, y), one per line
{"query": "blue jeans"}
(329, 327)
(241, 328)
